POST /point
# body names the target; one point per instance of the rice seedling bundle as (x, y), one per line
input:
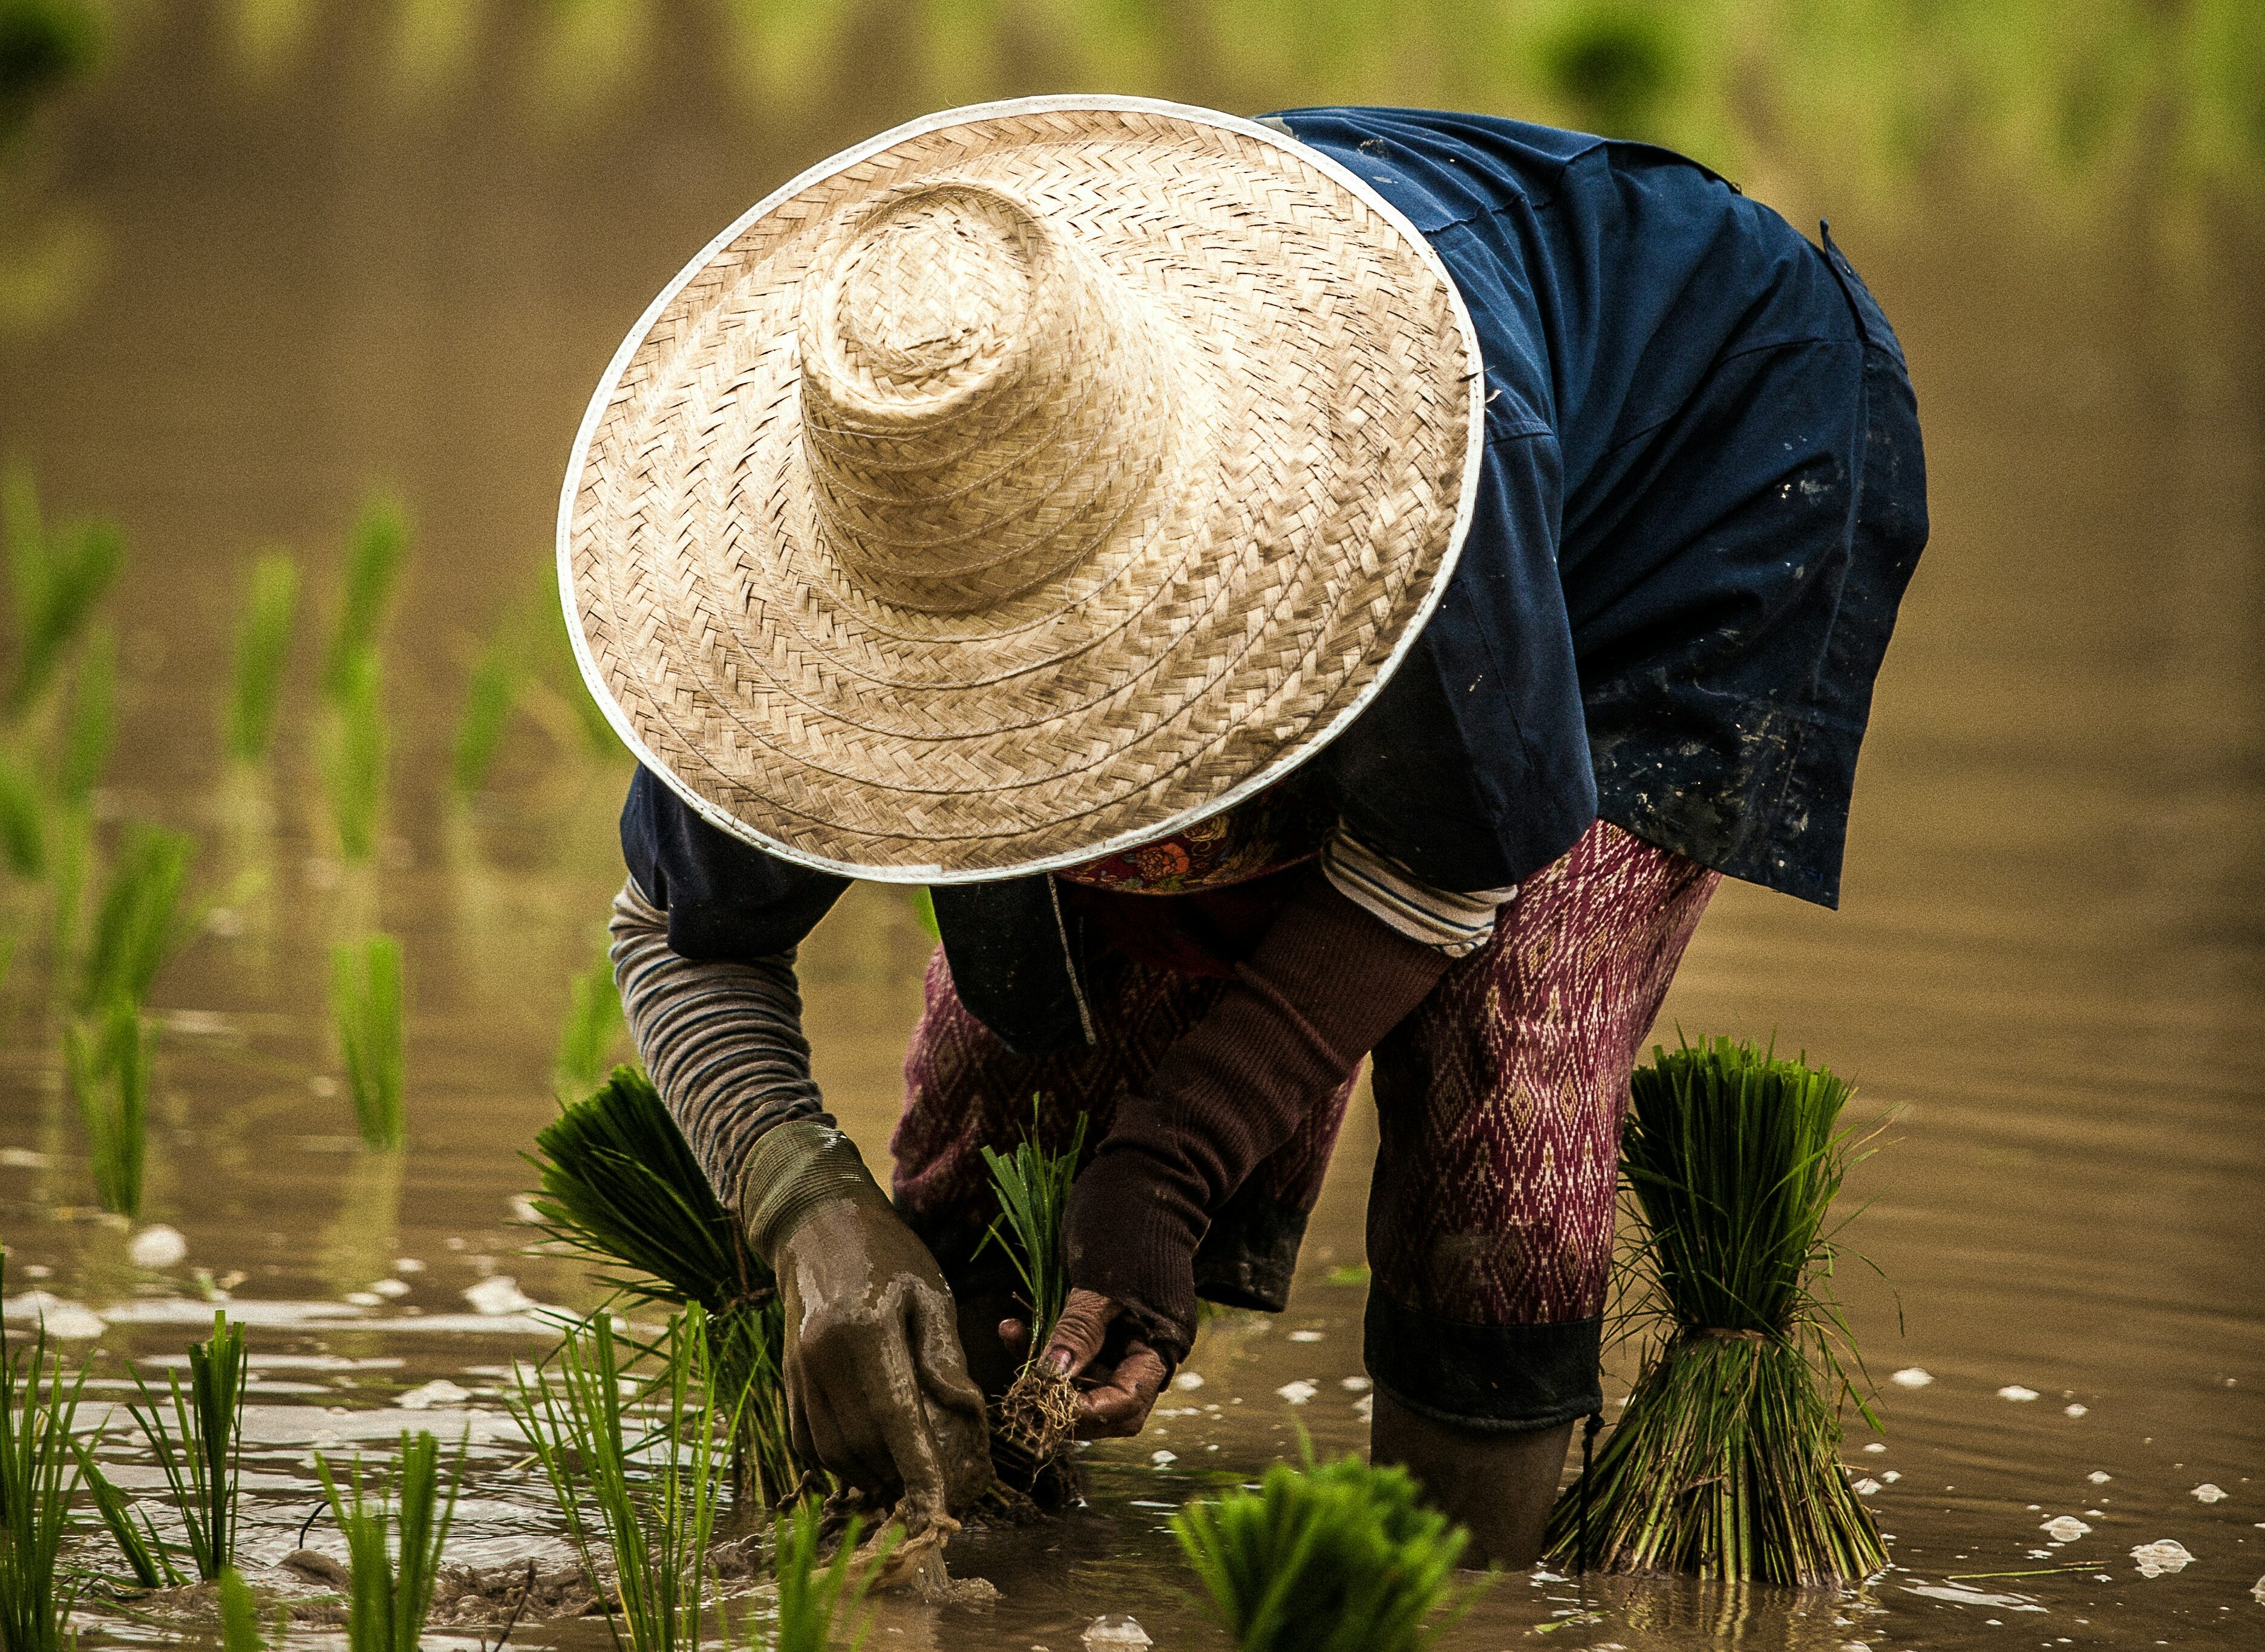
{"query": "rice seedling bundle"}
(649, 1500)
(365, 1008)
(39, 1475)
(393, 1534)
(376, 547)
(1725, 1461)
(353, 758)
(1337, 1558)
(56, 578)
(263, 650)
(1031, 1430)
(200, 1461)
(107, 1063)
(138, 925)
(620, 1187)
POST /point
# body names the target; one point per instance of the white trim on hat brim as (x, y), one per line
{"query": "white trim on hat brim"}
(1252, 784)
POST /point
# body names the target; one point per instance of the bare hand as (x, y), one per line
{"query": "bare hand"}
(1117, 1374)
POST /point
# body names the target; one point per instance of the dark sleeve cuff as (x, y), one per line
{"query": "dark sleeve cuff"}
(1487, 1377)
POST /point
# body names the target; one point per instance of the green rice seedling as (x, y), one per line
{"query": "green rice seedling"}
(488, 703)
(58, 576)
(23, 821)
(201, 1462)
(1335, 1558)
(593, 1027)
(620, 1188)
(1725, 1461)
(376, 547)
(263, 650)
(138, 924)
(93, 723)
(39, 1477)
(353, 759)
(394, 1541)
(1032, 1426)
(147, 1556)
(239, 1616)
(107, 1063)
(649, 1500)
(813, 1598)
(365, 1008)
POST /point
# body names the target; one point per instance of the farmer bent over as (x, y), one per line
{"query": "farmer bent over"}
(1345, 584)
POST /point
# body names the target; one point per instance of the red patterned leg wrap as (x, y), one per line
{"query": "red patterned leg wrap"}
(1499, 1109)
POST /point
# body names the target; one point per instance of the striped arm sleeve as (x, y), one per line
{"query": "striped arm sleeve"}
(723, 1042)
(1457, 925)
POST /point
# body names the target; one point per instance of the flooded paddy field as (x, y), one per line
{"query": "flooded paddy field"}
(2049, 966)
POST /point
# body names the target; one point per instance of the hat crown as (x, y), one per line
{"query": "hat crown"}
(979, 403)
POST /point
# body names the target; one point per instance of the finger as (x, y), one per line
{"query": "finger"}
(1014, 1335)
(845, 1440)
(891, 1387)
(1079, 1332)
(1120, 1405)
(960, 1429)
(937, 1355)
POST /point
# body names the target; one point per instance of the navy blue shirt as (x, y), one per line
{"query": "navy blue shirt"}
(1701, 499)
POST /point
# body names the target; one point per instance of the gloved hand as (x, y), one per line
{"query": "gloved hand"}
(1326, 983)
(876, 1385)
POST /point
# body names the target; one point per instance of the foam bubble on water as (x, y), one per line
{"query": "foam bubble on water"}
(1892, 1475)
(1912, 1377)
(388, 1287)
(440, 1391)
(1163, 1459)
(2074, 1410)
(2065, 1528)
(2163, 1555)
(407, 1264)
(364, 1298)
(1116, 1629)
(1364, 1407)
(24, 1159)
(1866, 1487)
(1353, 1385)
(2208, 1493)
(1305, 1337)
(1876, 1447)
(499, 1294)
(1189, 1380)
(2014, 1391)
(1297, 1393)
(156, 1245)
(2257, 1591)
(2100, 1477)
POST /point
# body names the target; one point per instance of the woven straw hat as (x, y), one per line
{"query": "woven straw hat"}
(1023, 485)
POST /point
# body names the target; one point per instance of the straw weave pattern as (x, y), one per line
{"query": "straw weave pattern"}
(1021, 488)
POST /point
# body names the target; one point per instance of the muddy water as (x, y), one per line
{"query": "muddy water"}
(2049, 966)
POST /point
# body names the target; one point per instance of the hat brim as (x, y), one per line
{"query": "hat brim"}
(1312, 497)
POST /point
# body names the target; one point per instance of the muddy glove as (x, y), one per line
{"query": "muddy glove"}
(876, 1387)
(1326, 983)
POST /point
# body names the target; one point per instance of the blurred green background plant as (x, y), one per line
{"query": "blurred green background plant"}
(2093, 106)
